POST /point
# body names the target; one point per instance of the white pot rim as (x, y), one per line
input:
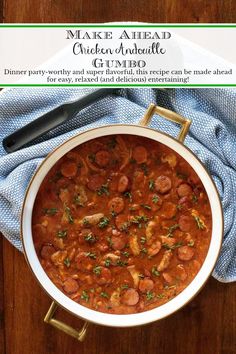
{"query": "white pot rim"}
(131, 319)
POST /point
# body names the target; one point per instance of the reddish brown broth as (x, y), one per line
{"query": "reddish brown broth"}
(121, 224)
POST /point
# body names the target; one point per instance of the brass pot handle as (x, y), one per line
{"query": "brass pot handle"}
(80, 335)
(170, 115)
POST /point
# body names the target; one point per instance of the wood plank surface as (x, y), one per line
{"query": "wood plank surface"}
(119, 10)
(207, 325)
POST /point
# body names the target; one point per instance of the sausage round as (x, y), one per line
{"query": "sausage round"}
(95, 182)
(163, 184)
(168, 210)
(123, 184)
(104, 277)
(47, 251)
(184, 190)
(116, 204)
(130, 297)
(185, 253)
(140, 154)
(185, 223)
(69, 169)
(102, 158)
(70, 286)
(145, 285)
(118, 242)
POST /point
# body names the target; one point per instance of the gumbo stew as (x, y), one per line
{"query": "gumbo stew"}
(121, 224)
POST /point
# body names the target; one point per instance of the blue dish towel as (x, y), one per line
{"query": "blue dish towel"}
(212, 137)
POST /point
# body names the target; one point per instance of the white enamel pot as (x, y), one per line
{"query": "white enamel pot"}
(59, 298)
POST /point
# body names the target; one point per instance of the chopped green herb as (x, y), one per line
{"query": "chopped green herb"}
(200, 223)
(191, 243)
(50, 211)
(179, 206)
(155, 199)
(121, 263)
(62, 233)
(124, 286)
(68, 215)
(109, 241)
(97, 270)
(77, 200)
(141, 276)
(145, 206)
(112, 143)
(160, 296)
(92, 290)
(103, 222)
(128, 195)
(171, 229)
(144, 168)
(155, 271)
(104, 294)
(144, 250)
(103, 190)
(56, 177)
(84, 296)
(91, 255)
(151, 184)
(125, 226)
(67, 262)
(85, 221)
(176, 245)
(181, 175)
(194, 198)
(125, 253)
(143, 240)
(113, 213)
(139, 218)
(107, 262)
(92, 157)
(90, 238)
(132, 161)
(150, 295)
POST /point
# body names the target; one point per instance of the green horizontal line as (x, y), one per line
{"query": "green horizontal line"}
(117, 85)
(118, 26)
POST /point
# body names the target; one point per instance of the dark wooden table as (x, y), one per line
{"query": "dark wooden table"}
(207, 325)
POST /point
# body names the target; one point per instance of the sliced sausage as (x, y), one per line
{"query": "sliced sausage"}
(69, 169)
(185, 223)
(145, 285)
(154, 248)
(154, 201)
(116, 204)
(140, 154)
(163, 184)
(121, 221)
(168, 210)
(95, 182)
(70, 286)
(185, 253)
(130, 297)
(102, 158)
(104, 277)
(184, 190)
(185, 203)
(123, 184)
(47, 251)
(118, 242)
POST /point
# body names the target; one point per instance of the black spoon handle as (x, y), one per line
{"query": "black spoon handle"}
(51, 120)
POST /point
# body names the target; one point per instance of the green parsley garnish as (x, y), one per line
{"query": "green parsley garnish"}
(112, 143)
(77, 200)
(194, 198)
(103, 222)
(90, 238)
(68, 215)
(125, 226)
(191, 243)
(104, 294)
(107, 262)
(200, 223)
(181, 175)
(149, 295)
(171, 229)
(160, 296)
(97, 270)
(128, 195)
(67, 262)
(121, 263)
(90, 255)
(132, 161)
(155, 199)
(92, 157)
(84, 296)
(103, 190)
(125, 253)
(109, 241)
(124, 286)
(145, 206)
(143, 240)
(155, 271)
(151, 184)
(176, 245)
(144, 168)
(141, 276)
(50, 211)
(144, 250)
(62, 233)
